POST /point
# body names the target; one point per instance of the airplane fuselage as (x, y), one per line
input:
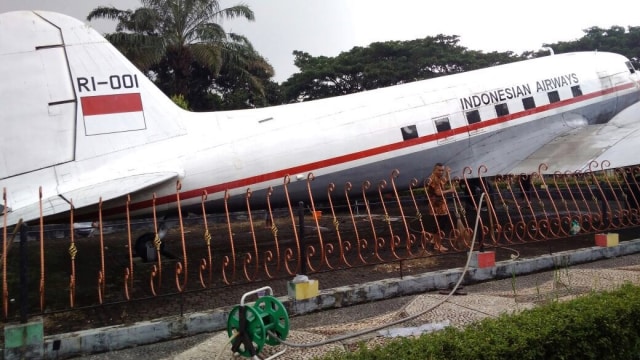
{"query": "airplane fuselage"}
(116, 134)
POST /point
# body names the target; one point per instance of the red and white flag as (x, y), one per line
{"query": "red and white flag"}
(105, 114)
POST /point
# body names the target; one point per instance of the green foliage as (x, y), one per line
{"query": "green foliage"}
(384, 64)
(389, 63)
(596, 326)
(180, 101)
(615, 39)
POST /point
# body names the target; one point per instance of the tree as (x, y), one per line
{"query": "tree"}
(240, 92)
(384, 64)
(389, 63)
(615, 39)
(177, 42)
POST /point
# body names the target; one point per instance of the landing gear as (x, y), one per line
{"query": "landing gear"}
(145, 248)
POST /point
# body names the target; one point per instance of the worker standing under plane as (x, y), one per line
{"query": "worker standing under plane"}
(438, 209)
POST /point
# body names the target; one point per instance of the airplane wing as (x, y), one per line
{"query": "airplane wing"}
(90, 195)
(615, 141)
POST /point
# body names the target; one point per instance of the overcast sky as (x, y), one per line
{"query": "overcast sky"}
(328, 27)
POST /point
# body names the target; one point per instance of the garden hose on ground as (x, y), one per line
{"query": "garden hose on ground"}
(380, 327)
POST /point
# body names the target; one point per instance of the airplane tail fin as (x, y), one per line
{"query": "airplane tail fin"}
(67, 95)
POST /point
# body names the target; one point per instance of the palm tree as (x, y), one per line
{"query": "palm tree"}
(168, 38)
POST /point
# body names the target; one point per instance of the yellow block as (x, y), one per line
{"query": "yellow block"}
(610, 239)
(303, 290)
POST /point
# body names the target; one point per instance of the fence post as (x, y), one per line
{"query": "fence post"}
(24, 268)
(303, 243)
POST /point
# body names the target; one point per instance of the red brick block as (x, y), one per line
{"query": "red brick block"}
(483, 259)
(606, 240)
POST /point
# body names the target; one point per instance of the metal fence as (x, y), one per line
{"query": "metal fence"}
(52, 268)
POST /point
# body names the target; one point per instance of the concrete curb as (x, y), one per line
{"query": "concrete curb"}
(66, 345)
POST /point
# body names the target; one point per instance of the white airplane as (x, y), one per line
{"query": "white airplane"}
(80, 121)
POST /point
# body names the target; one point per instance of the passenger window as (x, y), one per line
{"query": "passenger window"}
(576, 91)
(502, 109)
(473, 117)
(528, 103)
(409, 132)
(553, 96)
(442, 124)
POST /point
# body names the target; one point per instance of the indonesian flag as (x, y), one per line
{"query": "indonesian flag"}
(105, 114)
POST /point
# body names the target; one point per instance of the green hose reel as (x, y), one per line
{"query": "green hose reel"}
(250, 327)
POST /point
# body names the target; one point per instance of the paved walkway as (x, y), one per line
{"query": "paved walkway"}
(488, 299)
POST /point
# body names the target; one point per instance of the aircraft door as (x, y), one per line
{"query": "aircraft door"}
(447, 125)
(606, 112)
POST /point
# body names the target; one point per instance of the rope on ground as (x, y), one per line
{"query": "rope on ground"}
(515, 255)
(380, 327)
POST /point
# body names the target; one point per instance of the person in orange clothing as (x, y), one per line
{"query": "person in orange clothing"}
(438, 208)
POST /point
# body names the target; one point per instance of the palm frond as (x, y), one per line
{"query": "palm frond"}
(210, 33)
(144, 20)
(242, 40)
(143, 50)
(108, 12)
(208, 56)
(233, 12)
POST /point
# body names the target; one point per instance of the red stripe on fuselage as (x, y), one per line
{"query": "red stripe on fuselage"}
(305, 168)
(111, 104)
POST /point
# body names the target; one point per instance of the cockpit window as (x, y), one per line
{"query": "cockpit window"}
(630, 67)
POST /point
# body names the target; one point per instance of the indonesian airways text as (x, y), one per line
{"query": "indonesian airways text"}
(517, 91)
